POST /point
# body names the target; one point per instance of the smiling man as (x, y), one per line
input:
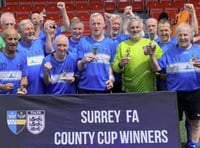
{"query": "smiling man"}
(13, 69)
(182, 65)
(58, 69)
(34, 51)
(132, 62)
(95, 54)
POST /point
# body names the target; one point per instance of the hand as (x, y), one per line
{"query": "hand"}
(124, 61)
(197, 63)
(22, 91)
(189, 7)
(89, 58)
(109, 84)
(7, 87)
(61, 5)
(48, 66)
(150, 49)
(128, 12)
(69, 79)
(50, 28)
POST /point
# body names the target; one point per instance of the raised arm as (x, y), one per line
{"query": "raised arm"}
(66, 22)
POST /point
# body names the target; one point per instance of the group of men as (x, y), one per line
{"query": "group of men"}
(39, 59)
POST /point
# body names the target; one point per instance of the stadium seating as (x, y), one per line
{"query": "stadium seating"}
(39, 2)
(96, 7)
(121, 4)
(83, 8)
(109, 6)
(137, 5)
(12, 2)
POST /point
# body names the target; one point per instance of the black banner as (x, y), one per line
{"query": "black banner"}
(138, 120)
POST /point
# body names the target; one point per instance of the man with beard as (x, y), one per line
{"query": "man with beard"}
(34, 51)
(132, 62)
(13, 65)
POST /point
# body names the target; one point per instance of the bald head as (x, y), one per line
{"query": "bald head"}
(9, 31)
(61, 43)
(10, 36)
(151, 25)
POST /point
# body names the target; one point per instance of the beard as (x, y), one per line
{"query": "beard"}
(136, 36)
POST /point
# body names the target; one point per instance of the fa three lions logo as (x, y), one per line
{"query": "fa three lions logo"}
(34, 120)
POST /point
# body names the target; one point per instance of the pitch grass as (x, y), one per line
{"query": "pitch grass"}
(182, 133)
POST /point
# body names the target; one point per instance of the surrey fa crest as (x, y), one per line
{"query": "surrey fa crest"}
(16, 120)
(34, 120)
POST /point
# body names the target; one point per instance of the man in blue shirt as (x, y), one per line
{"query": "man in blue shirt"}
(182, 65)
(95, 54)
(34, 51)
(59, 69)
(13, 65)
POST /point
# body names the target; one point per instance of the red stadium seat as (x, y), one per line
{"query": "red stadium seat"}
(150, 1)
(24, 9)
(39, 2)
(96, 7)
(81, 7)
(21, 17)
(137, 5)
(121, 4)
(52, 2)
(109, 6)
(25, 2)
(83, 2)
(155, 12)
(54, 17)
(84, 16)
(69, 7)
(52, 9)
(165, 1)
(12, 2)
(38, 8)
(150, 5)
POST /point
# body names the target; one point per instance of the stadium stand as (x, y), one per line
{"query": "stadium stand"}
(83, 8)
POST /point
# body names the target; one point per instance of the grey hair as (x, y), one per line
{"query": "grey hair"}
(5, 15)
(133, 19)
(186, 26)
(114, 17)
(22, 23)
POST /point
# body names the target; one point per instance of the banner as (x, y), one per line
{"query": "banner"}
(137, 120)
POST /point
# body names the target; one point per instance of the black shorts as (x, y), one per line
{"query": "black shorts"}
(189, 102)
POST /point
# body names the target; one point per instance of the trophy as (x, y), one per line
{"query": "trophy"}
(20, 90)
(128, 52)
(151, 37)
(193, 58)
(95, 50)
(63, 75)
